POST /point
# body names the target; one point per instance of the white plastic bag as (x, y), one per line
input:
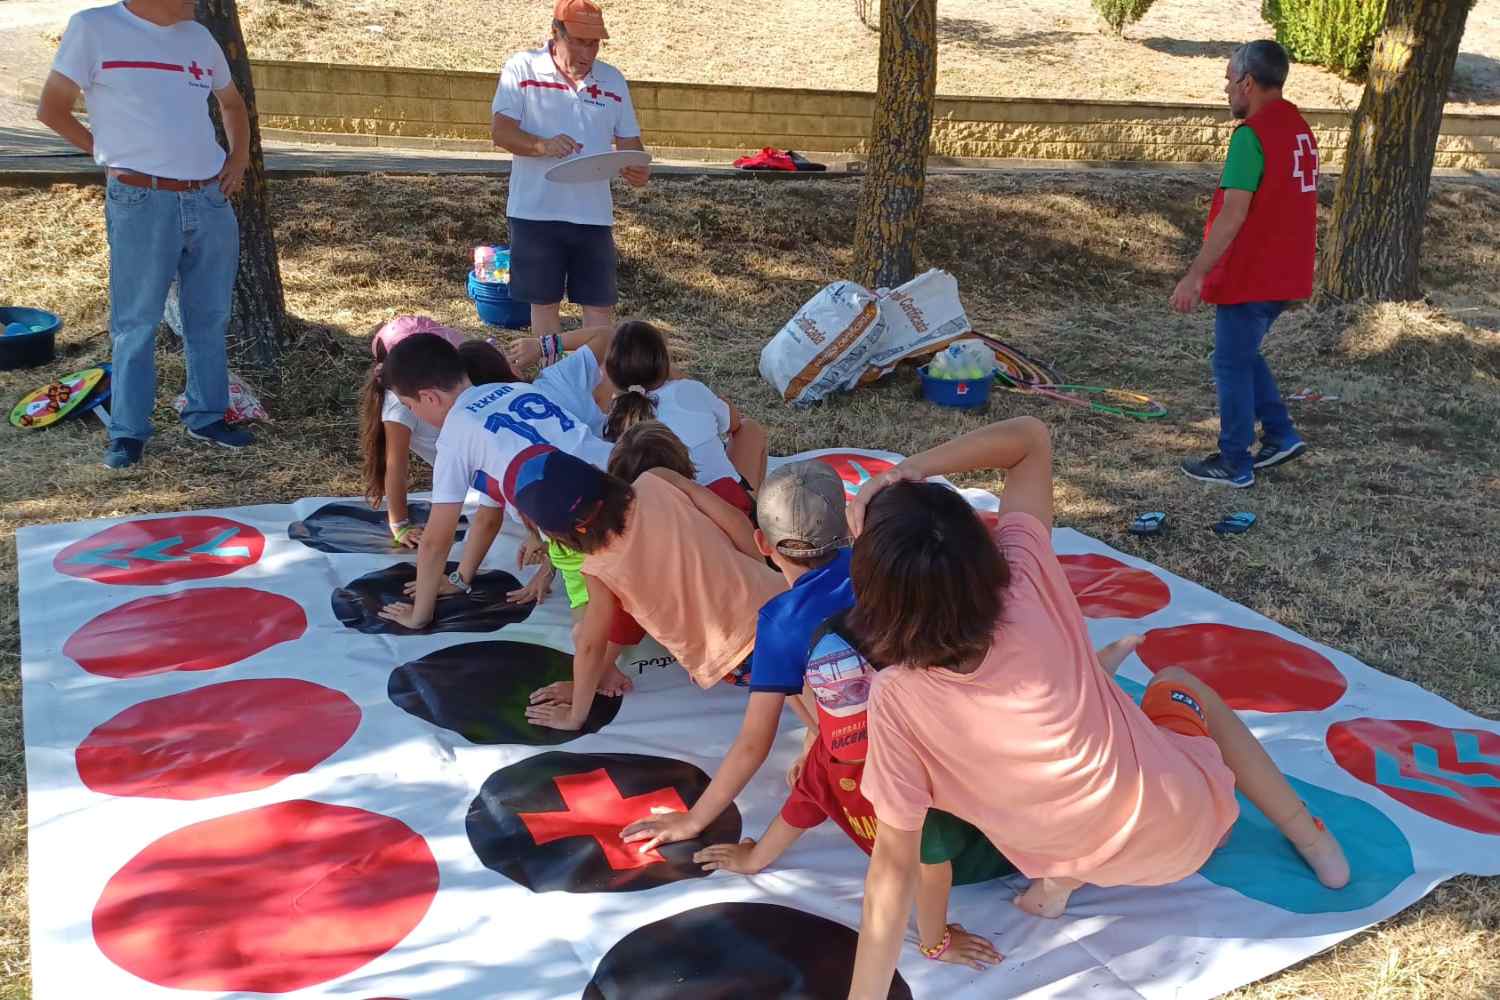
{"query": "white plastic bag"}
(826, 346)
(244, 406)
(922, 316)
(962, 360)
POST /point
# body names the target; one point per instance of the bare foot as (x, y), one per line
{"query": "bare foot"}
(1047, 897)
(1324, 856)
(615, 683)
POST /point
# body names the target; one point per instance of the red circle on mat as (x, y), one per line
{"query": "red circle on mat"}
(217, 740)
(1250, 669)
(163, 550)
(855, 469)
(1108, 588)
(1452, 775)
(268, 900)
(192, 630)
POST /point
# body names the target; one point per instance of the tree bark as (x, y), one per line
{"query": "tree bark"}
(885, 232)
(1375, 242)
(257, 326)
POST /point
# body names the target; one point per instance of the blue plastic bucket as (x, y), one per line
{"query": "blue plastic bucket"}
(965, 394)
(34, 340)
(495, 305)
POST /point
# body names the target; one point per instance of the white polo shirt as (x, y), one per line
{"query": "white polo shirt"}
(147, 89)
(534, 92)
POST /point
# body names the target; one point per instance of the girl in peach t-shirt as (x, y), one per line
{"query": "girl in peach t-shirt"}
(674, 556)
(993, 707)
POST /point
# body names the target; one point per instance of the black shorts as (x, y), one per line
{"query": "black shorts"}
(550, 259)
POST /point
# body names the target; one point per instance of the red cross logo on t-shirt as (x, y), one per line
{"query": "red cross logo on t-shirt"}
(593, 91)
(596, 809)
(196, 70)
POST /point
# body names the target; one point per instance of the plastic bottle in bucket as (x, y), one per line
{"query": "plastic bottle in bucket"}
(492, 264)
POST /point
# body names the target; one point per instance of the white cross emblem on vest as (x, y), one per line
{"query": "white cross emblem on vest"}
(1308, 179)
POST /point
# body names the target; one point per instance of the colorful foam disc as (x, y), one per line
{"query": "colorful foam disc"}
(54, 401)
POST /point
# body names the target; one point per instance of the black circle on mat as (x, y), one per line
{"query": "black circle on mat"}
(552, 822)
(480, 690)
(484, 609)
(733, 951)
(352, 527)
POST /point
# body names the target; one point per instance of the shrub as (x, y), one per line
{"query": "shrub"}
(1336, 34)
(1118, 13)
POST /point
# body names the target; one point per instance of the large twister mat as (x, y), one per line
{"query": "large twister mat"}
(243, 783)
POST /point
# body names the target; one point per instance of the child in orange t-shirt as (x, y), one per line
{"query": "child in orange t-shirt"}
(991, 704)
(671, 554)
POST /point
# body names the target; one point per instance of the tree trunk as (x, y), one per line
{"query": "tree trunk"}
(1374, 244)
(885, 234)
(257, 326)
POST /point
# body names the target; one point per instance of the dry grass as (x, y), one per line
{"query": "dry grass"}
(1384, 541)
(1041, 48)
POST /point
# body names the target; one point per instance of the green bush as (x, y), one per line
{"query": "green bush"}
(1336, 34)
(1118, 13)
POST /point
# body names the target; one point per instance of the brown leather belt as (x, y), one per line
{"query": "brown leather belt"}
(158, 183)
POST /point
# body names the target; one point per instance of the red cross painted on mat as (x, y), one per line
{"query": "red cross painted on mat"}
(196, 70)
(596, 809)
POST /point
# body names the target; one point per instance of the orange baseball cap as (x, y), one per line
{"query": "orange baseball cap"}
(582, 18)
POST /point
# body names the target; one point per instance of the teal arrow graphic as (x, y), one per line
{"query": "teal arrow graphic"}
(1388, 773)
(102, 556)
(215, 546)
(1427, 763)
(157, 551)
(1467, 745)
(864, 477)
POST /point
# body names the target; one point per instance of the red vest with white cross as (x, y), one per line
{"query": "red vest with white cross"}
(1271, 258)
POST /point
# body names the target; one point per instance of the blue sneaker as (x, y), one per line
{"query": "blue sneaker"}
(1213, 469)
(223, 435)
(1272, 453)
(122, 453)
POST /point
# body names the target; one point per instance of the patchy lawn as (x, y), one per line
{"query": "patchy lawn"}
(1384, 541)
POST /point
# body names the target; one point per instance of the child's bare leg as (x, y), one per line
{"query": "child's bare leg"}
(1047, 897)
(1261, 780)
(748, 452)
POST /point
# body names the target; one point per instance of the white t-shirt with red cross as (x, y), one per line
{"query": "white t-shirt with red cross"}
(534, 92)
(147, 90)
(489, 425)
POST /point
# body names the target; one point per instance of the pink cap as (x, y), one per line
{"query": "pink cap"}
(402, 327)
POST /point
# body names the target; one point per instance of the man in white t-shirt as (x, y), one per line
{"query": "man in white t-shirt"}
(483, 430)
(551, 103)
(146, 69)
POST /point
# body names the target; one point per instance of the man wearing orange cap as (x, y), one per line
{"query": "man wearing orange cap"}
(555, 102)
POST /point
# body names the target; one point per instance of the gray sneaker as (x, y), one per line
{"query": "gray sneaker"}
(1275, 454)
(223, 435)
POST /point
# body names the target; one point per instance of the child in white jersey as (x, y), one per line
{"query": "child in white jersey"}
(390, 433)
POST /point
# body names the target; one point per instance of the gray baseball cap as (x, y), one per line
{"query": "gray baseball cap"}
(800, 508)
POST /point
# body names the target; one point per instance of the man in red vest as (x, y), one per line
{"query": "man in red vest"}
(1257, 256)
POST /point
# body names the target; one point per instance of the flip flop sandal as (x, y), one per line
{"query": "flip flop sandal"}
(1152, 523)
(1235, 524)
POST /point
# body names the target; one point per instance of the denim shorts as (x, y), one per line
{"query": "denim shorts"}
(551, 259)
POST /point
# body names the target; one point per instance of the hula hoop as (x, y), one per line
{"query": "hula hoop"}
(1115, 402)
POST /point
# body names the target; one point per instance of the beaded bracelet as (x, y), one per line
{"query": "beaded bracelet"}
(936, 951)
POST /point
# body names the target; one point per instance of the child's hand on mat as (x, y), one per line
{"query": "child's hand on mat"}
(667, 826)
(554, 715)
(534, 592)
(409, 588)
(410, 538)
(728, 857)
(404, 615)
(614, 683)
(970, 949)
(561, 691)
(872, 486)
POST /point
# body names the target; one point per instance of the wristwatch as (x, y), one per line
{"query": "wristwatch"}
(457, 579)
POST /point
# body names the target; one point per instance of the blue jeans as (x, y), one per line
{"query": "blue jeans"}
(1247, 390)
(155, 236)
